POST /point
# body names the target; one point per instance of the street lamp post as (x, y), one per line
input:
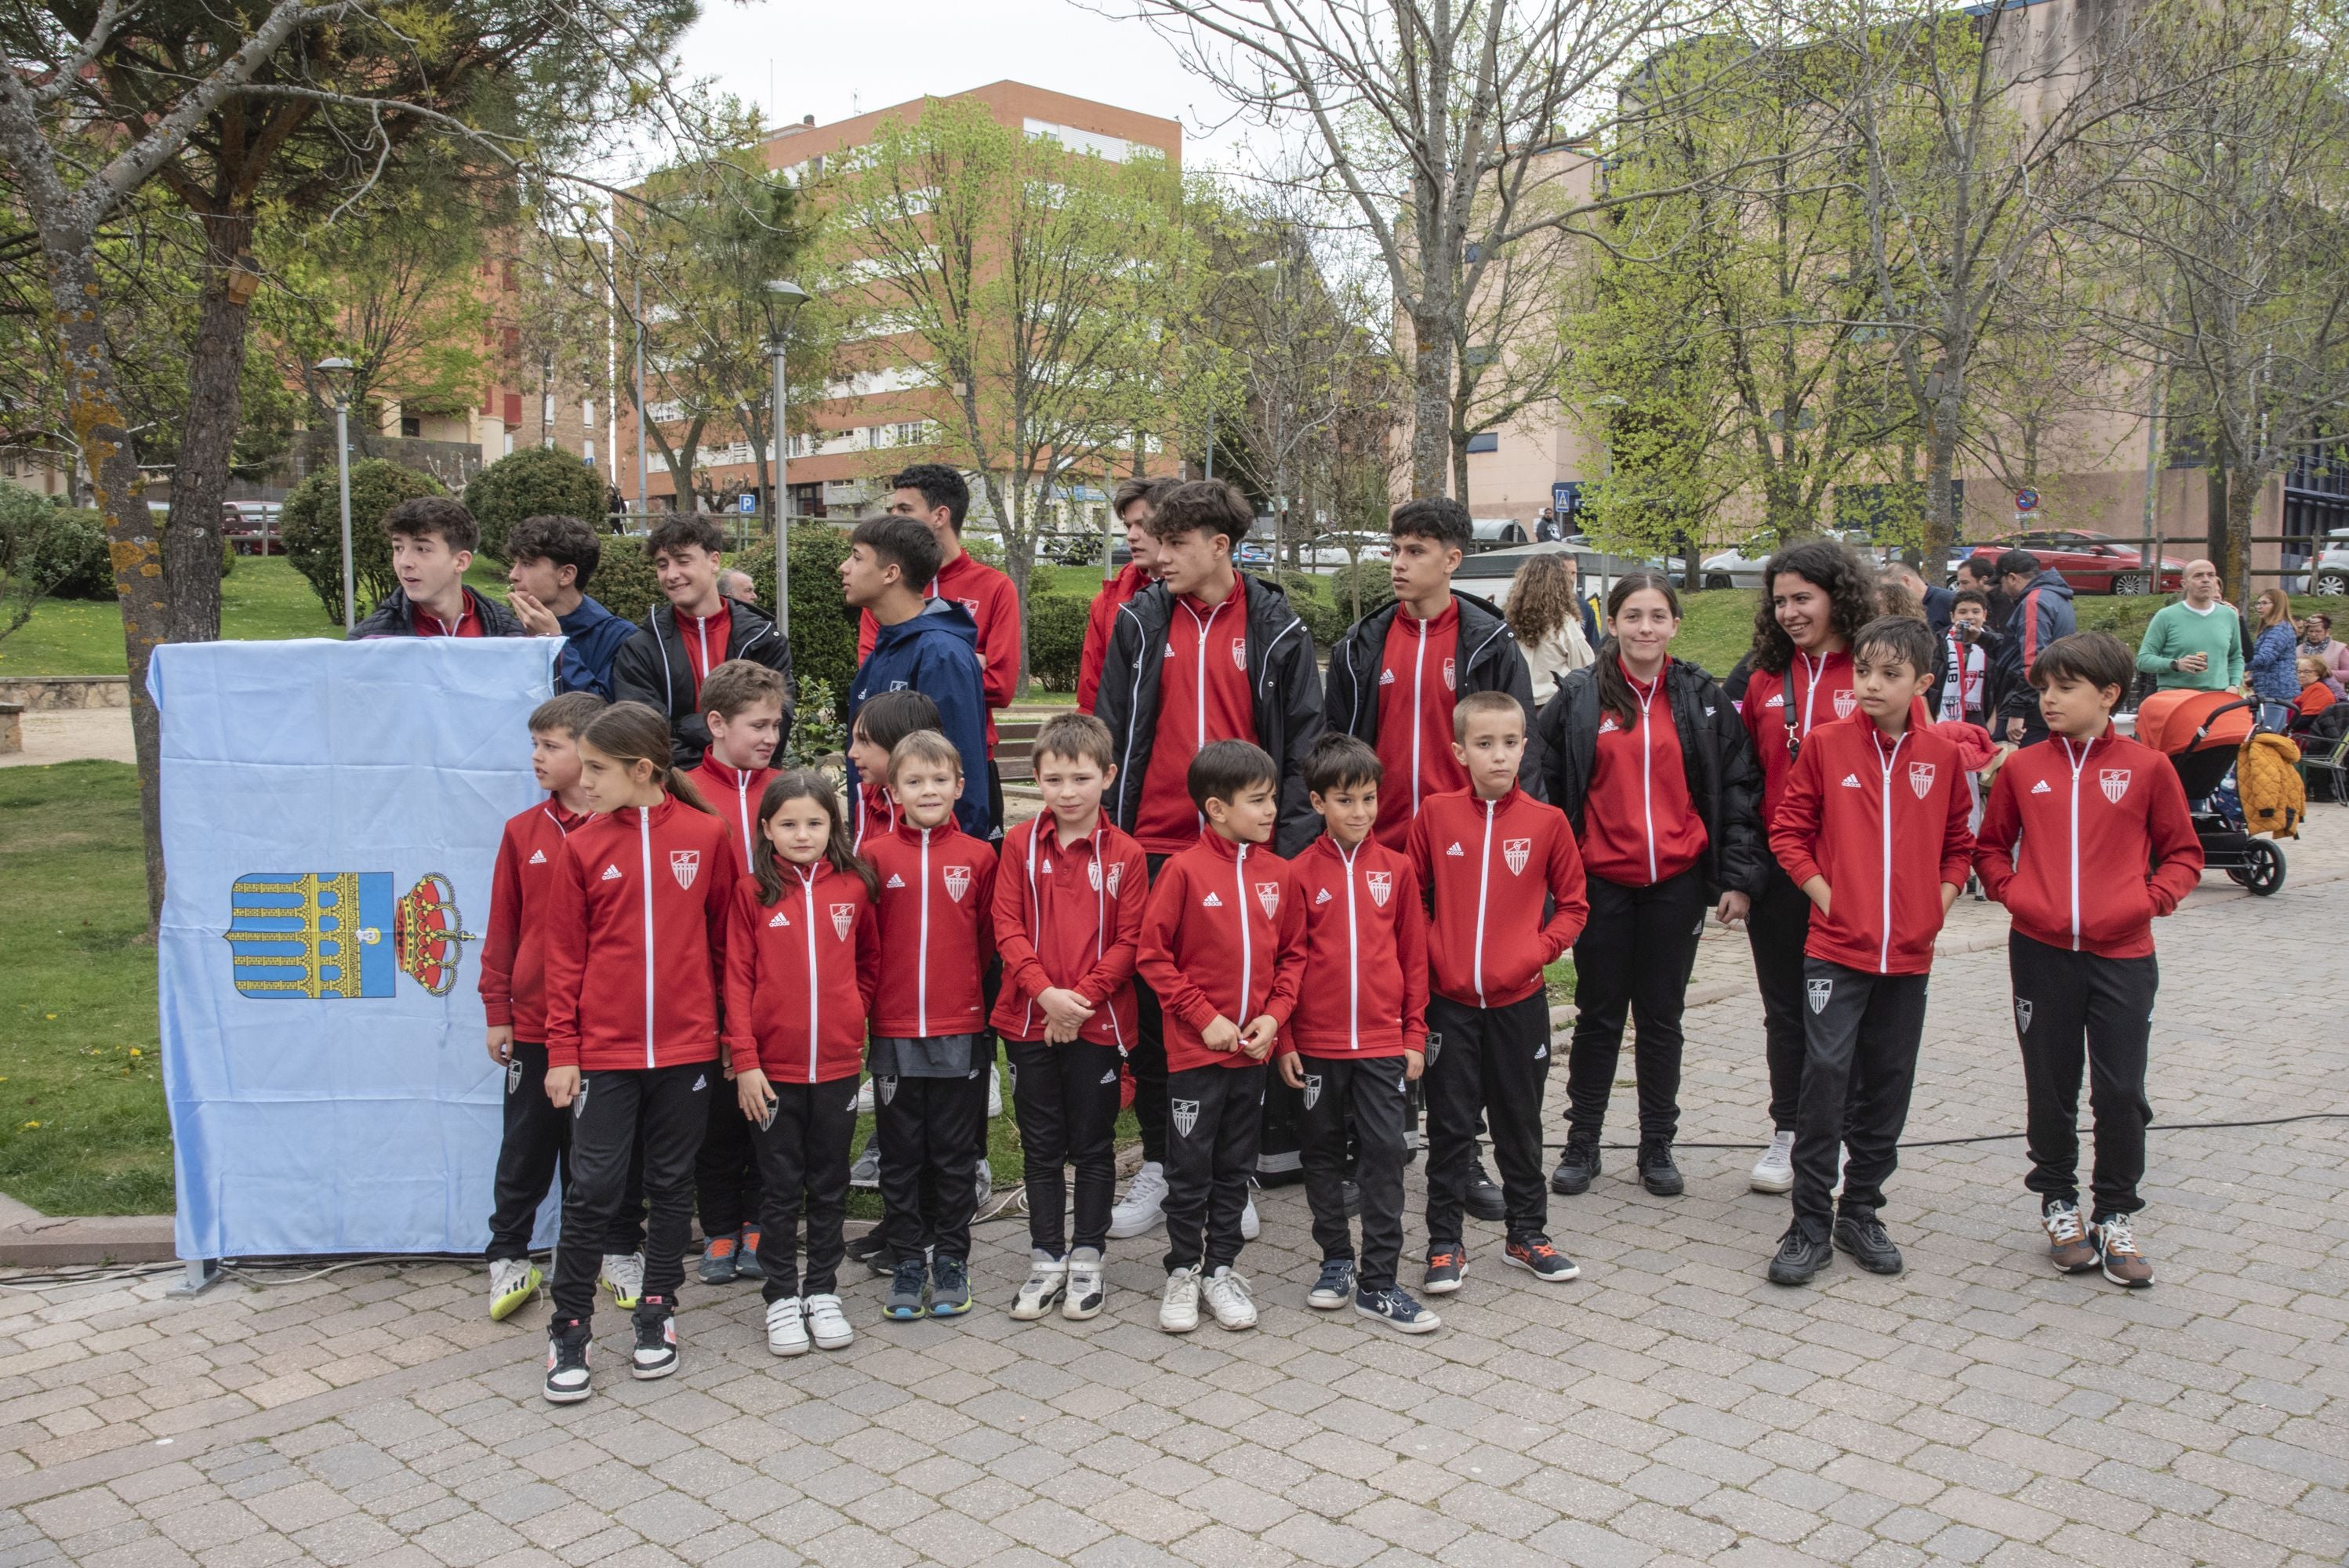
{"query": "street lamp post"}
(337, 373)
(787, 296)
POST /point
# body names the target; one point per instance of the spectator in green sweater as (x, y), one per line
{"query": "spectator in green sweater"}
(2198, 642)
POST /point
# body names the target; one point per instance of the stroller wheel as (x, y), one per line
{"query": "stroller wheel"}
(2264, 875)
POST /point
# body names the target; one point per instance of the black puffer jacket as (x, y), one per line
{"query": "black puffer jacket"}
(1489, 659)
(395, 617)
(1286, 698)
(651, 668)
(1725, 781)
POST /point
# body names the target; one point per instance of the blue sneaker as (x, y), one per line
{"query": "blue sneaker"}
(949, 1287)
(909, 1290)
(1335, 1288)
(1392, 1307)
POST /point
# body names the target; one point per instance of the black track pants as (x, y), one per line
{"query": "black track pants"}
(2075, 1011)
(726, 1171)
(803, 1167)
(1496, 1059)
(1372, 1092)
(537, 1138)
(1065, 1098)
(654, 1113)
(1147, 1059)
(1776, 927)
(1864, 1031)
(932, 1132)
(1634, 957)
(1213, 1115)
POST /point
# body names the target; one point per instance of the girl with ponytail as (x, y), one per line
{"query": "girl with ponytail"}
(640, 900)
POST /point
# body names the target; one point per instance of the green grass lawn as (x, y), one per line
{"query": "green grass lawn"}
(82, 1125)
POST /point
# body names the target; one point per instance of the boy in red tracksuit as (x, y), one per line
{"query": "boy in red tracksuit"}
(930, 1039)
(1873, 831)
(742, 704)
(513, 993)
(1486, 858)
(1069, 894)
(1359, 1031)
(802, 964)
(638, 901)
(880, 723)
(2085, 841)
(1130, 504)
(1223, 946)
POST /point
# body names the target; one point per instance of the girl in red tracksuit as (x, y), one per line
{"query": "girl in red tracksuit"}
(803, 963)
(929, 1039)
(1873, 831)
(640, 903)
(1069, 892)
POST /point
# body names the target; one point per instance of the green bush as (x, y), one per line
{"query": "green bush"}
(64, 546)
(1055, 639)
(531, 482)
(311, 527)
(1370, 578)
(624, 583)
(824, 628)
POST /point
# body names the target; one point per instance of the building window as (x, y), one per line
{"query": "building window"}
(1485, 441)
(509, 443)
(587, 450)
(411, 426)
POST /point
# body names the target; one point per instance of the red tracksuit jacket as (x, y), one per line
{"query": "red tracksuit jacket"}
(513, 949)
(1639, 825)
(1822, 694)
(875, 813)
(938, 893)
(994, 604)
(2112, 806)
(1068, 915)
(1418, 687)
(1884, 822)
(1222, 937)
(1484, 867)
(801, 975)
(1365, 987)
(1098, 622)
(639, 901)
(1203, 696)
(734, 794)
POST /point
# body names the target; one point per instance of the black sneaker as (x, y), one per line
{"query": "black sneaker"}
(1335, 1288)
(1658, 1174)
(656, 1353)
(1395, 1309)
(909, 1290)
(1577, 1168)
(1484, 1200)
(1537, 1256)
(873, 1251)
(1445, 1263)
(1862, 1236)
(949, 1287)
(1799, 1259)
(566, 1363)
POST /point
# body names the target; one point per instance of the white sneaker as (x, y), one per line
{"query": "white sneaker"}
(786, 1328)
(1144, 1207)
(1228, 1299)
(866, 1171)
(865, 1097)
(827, 1323)
(1086, 1286)
(1178, 1310)
(982, 1184)
(513, 1281)
(994, 1094)
(1249, 1224)
(623, 1276)
(1048, 1281)
(1774, 1171)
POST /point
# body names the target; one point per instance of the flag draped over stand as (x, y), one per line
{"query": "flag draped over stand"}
(331, 813)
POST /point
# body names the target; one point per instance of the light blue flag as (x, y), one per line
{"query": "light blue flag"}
(331, 813)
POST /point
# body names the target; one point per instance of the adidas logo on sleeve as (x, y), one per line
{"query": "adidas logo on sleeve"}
(538, 857)
(611, 873)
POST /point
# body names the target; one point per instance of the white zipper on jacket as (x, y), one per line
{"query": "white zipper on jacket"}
(1035, 916)
(2077, 764)
(1199, 679)
(1810, 693)
(1353, 955)
(556, 820)
(742, 810)
(1100, 925)
(645, 844)
(807, 887)
(701, 635)
(922, 951)
(1247, 953)
(1647, 745)
(1484, 880)
(1884, 945)
(1418, 669)
(1133, 702)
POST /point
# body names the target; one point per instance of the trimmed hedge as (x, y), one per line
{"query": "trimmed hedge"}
(66, 545)
(531, 481)
(623, 581)
(1055, 639)
(311, 527)
(824, 628)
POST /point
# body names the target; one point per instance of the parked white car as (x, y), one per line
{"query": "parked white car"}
(2328, 574)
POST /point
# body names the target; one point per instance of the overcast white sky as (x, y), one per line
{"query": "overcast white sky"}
(834, 59)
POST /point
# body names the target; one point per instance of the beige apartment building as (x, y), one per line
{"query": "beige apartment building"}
(885, 405)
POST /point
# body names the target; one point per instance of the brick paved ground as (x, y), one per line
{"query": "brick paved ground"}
(1671, 1405)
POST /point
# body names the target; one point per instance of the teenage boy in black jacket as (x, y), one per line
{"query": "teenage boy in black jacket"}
(677, 645)
(1203, 655)
(432, 543)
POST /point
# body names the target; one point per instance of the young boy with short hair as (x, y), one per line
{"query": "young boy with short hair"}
(2085, 842)
(665, 662)
(1873, 830)
(1069, 892)
(1223, 945)
(1359, 1032)
(513, 993)
(929, 1039)
(884, 720)
(1487, 857)
(1964, 684)
(923, 644)
(433, 539)
(550, 558)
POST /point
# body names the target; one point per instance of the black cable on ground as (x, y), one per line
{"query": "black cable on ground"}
(2012, 1137)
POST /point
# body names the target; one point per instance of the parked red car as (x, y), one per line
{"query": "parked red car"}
(2090, 563)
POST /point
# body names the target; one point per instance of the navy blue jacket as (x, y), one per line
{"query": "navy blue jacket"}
(936, 654)
(595, 636)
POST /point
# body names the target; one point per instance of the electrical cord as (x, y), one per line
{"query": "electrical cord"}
(2012, 1137)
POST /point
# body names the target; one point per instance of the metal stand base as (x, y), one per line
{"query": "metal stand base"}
(202, 1275)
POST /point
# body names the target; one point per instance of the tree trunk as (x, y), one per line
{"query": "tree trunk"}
(191, 539)
(1431, 396)
(2245, 488)
(1459, 440)
(95, 410)
(1942, 525)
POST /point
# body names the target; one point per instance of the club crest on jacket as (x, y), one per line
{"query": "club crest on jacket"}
(685, 865)
(958, 880)
(844, 917)
(1449, 684)
(2114, 781)
(1921, 779)
(1239, 653)
(1269, 896)
(1517, 852)
(1845, 702)
(1382, 885)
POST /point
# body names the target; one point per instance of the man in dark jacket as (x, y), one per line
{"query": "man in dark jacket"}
(673, 650)
(2042, 613)
(1203, 655)
(929, 645)
(432, 543)
(552, 559)
(1395, 676)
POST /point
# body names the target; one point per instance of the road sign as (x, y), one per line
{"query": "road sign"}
(746, 503)
(2026, 500)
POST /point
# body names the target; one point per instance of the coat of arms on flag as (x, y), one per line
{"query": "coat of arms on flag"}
(342, 933)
